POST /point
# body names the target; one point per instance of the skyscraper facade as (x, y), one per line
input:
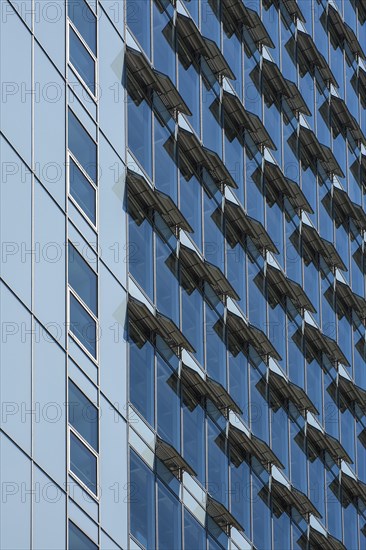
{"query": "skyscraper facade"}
(182, 277)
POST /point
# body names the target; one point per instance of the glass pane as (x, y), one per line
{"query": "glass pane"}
(169, 513)
(83, 463)
(85, 22)
(79, 541)
(140, 254)
(139, 133)
(82, 60)
(83, 415)
(142, 380)
(142, 502)
(82, 191)
(168, 404)
(217, 464)
(194, 436)
(82, 279)
(138, 19)
(83, 325)
(82, 146)
(194, 534)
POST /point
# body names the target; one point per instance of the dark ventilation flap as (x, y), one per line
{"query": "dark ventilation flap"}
(143, 197)
(351, 393)
(318, 541)
(280, 287)
(149, 323)
(326, 249)
(291, 497)
(221, 515)
(192, 43)
(291, 6)
(325, 442)
(354, 487)
(351, 299)
(243, 119)
(245, 333)
(282, 390)
(142, 75)
(239, 225)
(349, 209)
(276, 180)
(311, 149)
(296, 101)
(194, 155)
(202, 270)
(309, 55)
(342, 119)
(207, 388)
(250, 444)
(343, 32)
(320, 343)
(170, 457)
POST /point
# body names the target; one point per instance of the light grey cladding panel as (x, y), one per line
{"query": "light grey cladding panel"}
(25, 10)
(49, 390)
(113, 347)
(15, 223)
(112, 98)
(16, 79)
(49, 513)
(112, 216)
(15, 477)
(15, 372)
(115, 11)
(49, 126)
(49, 265)
(113, 473)
(49, 29)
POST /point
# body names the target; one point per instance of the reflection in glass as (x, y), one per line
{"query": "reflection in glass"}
(83, 463)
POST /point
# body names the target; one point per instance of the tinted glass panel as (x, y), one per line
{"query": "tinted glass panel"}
(142, 380)
(82, 146)
(82, 191)
(83, 463)
(142, 502)
(83, 415)
(194, 534)
(85, 22)
(169, 514)
(82, 60)
(82, 279)
(83, 325)
(168, 404)
(79, 541)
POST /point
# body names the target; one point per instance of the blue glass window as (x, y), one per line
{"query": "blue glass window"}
(168, 404)
(83, 463)
(83, 326)
(83, 415)
(167, 296)
(82, 146)
(78, 540)
(82, 191)
(194, 437)
(85, 22)
(194, 534)
(142, 502)
(138, 19)
(82, 60)
(82, 279)
(218, 466)
(140, 253)
(142, 380)
(169, 513)
(139, 133)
